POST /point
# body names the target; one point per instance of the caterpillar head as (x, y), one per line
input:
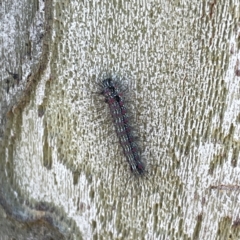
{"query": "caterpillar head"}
(108, 84)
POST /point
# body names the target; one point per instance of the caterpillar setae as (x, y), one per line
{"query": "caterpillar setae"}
(113, 94)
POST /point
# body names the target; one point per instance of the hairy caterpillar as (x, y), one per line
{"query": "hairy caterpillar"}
(111, 90)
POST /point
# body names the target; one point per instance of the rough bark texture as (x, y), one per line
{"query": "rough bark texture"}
(63, 173)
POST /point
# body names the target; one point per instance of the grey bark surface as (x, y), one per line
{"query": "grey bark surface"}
(63, 173)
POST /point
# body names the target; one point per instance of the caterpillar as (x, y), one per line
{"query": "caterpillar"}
(113, 95)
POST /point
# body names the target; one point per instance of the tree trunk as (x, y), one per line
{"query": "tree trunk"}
(63, 172)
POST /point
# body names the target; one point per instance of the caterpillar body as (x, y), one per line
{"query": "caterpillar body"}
(111, 90)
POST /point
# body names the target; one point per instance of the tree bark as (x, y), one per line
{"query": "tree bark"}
(63, 172)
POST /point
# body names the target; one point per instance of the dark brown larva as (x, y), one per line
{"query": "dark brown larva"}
(115, 100)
